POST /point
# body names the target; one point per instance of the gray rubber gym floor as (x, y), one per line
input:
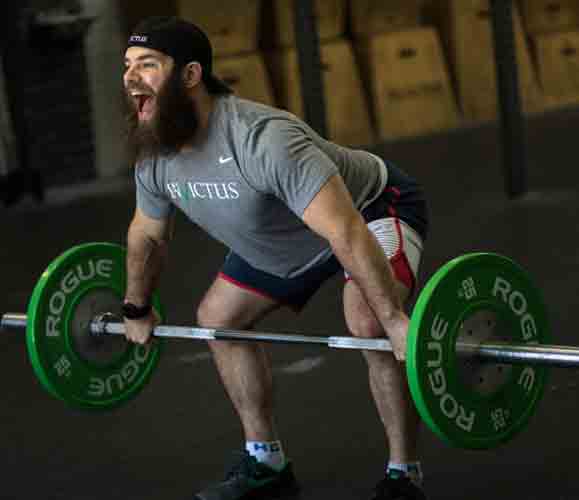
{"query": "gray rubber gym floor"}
(173, 439)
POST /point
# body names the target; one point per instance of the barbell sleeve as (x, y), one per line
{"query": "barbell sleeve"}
(13, 321)
(497, 352)
(100, 327)
(524, 354)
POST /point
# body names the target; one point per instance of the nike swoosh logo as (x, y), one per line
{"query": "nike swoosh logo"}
(223, 160)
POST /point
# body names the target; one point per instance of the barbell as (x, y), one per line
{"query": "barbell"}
(477, 354)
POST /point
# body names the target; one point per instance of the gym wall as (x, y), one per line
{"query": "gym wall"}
(391, 70)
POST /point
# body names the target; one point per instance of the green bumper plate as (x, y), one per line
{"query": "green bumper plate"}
(84, 371)
(465, 410)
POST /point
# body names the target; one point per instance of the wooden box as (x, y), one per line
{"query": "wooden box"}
(548, 16)
(347, 112)
(247, 76)
(558, 67)
(467, 31)
(369, 17)
(279, 27)
(232, 25)
(409, 83)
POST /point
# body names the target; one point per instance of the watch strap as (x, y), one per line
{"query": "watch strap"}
(132, 311)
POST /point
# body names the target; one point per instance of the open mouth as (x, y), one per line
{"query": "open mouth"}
(144, 104)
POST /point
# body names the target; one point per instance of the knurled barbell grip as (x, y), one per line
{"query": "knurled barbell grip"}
(103, 326)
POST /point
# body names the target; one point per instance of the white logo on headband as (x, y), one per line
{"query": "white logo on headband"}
(139, 38)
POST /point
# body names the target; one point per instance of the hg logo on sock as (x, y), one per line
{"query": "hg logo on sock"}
(266, 447)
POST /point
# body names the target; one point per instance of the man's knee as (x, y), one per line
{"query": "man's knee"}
(362, 321)
(211, 315)
(207, 314)
(366, 326)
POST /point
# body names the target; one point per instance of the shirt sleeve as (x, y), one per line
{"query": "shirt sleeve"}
(282, 160)
(151, 199)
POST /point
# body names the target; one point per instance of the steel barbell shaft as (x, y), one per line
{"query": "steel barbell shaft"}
(502, 352)
(196, 333)
(508, 353)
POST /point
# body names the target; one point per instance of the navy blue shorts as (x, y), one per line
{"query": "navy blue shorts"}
(293, 292)
(296, 292)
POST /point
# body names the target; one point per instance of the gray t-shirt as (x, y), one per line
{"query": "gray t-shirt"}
(250, 181)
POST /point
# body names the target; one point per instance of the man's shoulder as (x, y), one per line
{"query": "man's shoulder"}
(253, 116)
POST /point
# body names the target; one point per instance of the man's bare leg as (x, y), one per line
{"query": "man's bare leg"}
(245, 371)
(244, 367)
(387, 378)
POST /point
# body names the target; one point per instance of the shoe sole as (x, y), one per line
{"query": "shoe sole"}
(272, 490)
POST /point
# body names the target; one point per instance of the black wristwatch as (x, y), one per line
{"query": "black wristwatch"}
(131, 311)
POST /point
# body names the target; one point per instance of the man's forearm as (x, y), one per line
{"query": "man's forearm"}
(145, 261)
(364, 259)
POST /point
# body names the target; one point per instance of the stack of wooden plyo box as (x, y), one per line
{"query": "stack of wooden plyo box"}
(347, 114)
(404, 68)
(234, 30)
(390, 68)
(467, 33)
(553, 29)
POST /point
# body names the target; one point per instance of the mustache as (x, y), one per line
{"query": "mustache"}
(139, 89)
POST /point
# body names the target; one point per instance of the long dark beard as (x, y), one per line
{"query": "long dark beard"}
(174, 123)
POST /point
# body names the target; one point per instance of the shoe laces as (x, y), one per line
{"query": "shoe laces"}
(242, 464)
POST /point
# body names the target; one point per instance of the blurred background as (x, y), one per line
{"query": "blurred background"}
(477, 99)
(390, 70)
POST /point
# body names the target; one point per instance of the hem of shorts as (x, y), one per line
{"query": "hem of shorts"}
(294, 307)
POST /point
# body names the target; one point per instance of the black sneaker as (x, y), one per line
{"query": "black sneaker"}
(401, 488)
(247, 478)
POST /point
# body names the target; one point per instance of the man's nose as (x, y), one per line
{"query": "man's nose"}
(130, 76)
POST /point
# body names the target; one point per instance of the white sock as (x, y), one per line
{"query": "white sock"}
(412, 470)
(267, 452)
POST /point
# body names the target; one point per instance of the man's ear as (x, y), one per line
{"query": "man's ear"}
(192, 74)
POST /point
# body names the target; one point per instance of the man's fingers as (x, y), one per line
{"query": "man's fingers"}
(141, 332)
(138, 338)
(400, 353)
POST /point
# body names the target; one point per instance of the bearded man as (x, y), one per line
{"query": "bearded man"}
(294, 209)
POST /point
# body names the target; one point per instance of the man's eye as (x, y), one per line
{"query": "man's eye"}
(149, 65)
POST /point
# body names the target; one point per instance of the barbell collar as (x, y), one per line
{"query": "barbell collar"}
(13, 321)
(497, 352)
